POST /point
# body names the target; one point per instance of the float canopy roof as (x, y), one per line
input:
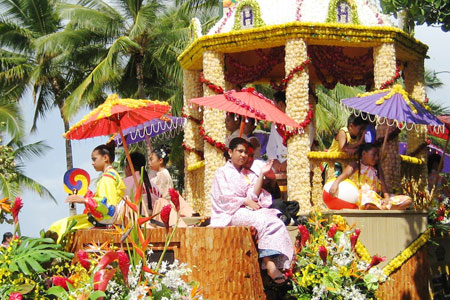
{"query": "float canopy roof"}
(259, 24)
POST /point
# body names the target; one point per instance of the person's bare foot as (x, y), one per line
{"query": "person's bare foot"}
(273, 272)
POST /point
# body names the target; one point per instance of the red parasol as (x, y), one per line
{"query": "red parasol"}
(116, 115)
(247, 103)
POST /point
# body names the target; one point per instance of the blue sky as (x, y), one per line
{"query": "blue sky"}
(39, 213)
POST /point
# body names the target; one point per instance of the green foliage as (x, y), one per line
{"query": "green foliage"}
(431, 12)
(29, 255)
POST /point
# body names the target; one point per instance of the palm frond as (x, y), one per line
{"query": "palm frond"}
(105, 71)
(29, 151)
(145, 16)
(34, 186)
(10, 115)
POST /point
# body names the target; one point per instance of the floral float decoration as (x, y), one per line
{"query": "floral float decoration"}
(327, 264)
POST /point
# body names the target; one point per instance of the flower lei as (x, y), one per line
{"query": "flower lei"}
(391, 81)
(299, 130)
(298, 14)
(288, 78)
(190, 149)
(243, 73)
(341, 67)
(186, 147)
(217, 89)
(210, 140)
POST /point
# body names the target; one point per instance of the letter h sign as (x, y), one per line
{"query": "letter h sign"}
(247, 17)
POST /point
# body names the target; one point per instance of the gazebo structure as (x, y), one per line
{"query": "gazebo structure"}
(296, 44)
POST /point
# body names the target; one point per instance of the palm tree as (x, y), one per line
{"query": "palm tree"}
(25, 63)
(143, 39)
(14, 154)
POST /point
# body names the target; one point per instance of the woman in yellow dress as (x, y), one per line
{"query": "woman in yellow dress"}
(370, 182)
(104, 207)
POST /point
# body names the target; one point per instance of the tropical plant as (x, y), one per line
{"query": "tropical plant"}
(142, 40)
(327, 265)
(431, 12)
(27, 65)
(330, 116)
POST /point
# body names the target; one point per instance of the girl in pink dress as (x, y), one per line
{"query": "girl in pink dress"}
(161, 184)
(370, 182)
(239, 200)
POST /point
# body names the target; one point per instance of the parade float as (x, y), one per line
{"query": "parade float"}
(295, 45)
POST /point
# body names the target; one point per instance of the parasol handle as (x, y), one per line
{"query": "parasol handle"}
(127, 154)
(241, 128)
(383, 147)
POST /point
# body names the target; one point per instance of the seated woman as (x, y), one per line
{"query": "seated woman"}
(370, 182)
(240, 201)
(105, 206)
(161, 184)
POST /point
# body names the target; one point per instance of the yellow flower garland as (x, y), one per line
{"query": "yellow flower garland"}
(412, 160)
(277, 35)
(330, 155)
(397, 261)
(400, 259)
(196, 166)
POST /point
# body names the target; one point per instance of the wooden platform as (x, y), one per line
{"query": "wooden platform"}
(223, 260)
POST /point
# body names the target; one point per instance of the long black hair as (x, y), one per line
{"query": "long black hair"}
(7, 235)
(139, 163)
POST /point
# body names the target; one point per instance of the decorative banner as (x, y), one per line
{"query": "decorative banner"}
(76, 181)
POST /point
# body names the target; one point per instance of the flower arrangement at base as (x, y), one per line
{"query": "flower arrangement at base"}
(327, 265)
(439, 217)
(39, 268)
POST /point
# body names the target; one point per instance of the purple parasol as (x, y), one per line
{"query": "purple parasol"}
(152, 128)
(391, 104)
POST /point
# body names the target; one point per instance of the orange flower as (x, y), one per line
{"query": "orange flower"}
(5, 205)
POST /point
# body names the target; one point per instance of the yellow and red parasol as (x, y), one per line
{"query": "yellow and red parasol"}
(114, 116)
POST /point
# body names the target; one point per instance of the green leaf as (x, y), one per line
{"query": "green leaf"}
(58, 291)
(24, 288)
(97, 294)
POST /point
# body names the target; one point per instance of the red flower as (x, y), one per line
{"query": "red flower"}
(124, 264)
(17, 205)
(15, 296)
(165, 215)
(289, 273)
(61, 281)
(441, 211)
(175, 197)
(323, 253)
(101, 279)
(440, 218)
(375, 261)
(353, 240)
(332, 231)
(357, 232)
(304, 234)
(83, 258)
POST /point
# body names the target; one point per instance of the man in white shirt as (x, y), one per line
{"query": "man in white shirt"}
(275, 149)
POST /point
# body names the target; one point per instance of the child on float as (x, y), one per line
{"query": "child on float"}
(238, 200)
(104, 207)
(161, 183)
(349, 138)
(436, 180)
(370, 181)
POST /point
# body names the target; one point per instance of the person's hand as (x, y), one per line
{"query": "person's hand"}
(334, 189)
(75, 199)
(252, 204)
(267, 168)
